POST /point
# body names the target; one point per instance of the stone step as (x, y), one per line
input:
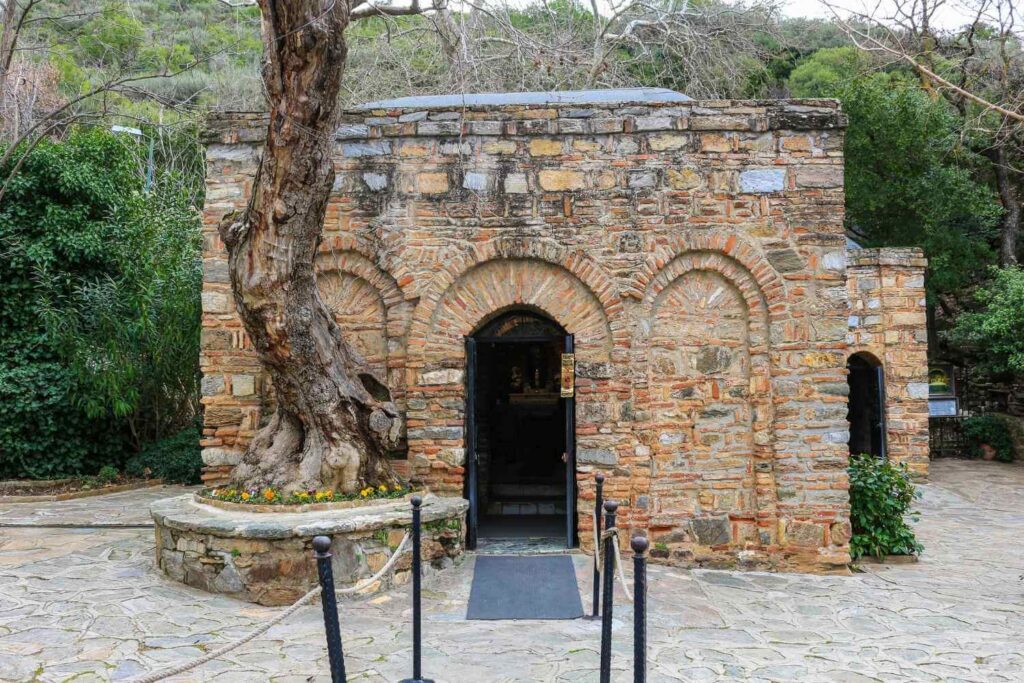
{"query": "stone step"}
(500, 507)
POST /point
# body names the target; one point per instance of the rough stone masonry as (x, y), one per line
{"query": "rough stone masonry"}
(694, 249)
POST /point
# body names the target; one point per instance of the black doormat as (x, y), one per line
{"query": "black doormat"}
(524, 587)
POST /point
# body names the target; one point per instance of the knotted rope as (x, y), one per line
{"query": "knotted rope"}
(263, 628)
(599, 551)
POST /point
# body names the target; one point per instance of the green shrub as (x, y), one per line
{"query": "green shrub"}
(176, 459)
(99, 307)
(990, 430)
(992, 329)
(881, 494)
(108, 474)
(43, 435)
(54, 219)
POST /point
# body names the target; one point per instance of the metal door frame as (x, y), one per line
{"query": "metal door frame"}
(569, 405)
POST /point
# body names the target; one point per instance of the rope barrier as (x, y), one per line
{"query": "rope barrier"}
(599, 549)
(263, 628)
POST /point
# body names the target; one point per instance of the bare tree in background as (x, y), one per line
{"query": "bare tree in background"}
(978, 69)
(706, 50)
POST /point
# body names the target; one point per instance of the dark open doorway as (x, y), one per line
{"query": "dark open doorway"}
(520, 450)
(867, 405)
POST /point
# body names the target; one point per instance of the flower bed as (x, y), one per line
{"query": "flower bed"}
(271, 496)
(273, 500)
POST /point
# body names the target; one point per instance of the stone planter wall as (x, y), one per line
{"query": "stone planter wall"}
(267, 558)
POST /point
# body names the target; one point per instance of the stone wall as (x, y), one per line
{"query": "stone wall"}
(888, 322)
(695, 251)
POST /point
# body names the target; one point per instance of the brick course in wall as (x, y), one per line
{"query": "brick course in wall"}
(696, 252)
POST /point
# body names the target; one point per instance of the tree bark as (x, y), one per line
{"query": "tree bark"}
(1009, 195)
(334, 419)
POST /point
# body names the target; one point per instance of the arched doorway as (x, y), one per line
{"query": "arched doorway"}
(866, 405)
(520, 431)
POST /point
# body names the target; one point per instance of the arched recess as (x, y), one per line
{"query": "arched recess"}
(370, 309)
(733, 248)
(709, 401)
(866, 406)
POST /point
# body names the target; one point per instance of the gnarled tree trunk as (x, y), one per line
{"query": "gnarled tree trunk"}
(334, 418)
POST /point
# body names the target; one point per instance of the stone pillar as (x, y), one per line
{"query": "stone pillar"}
(888, 320)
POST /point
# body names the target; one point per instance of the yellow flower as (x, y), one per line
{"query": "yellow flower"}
(397, 487)
(245, 495)
(269, 494)
(363, 493)
(383, 488)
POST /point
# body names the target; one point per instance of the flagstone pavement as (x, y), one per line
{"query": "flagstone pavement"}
(85, 604)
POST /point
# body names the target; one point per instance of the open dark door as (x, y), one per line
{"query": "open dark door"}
(569, 399)
(471, 455)
(880, 418)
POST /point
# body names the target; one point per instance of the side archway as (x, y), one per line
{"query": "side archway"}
(866, 407)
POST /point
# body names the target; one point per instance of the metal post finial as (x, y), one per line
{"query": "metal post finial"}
(322, 546)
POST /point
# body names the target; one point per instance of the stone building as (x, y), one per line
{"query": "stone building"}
(627, 282)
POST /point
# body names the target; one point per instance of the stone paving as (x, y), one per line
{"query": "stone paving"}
(87, 605)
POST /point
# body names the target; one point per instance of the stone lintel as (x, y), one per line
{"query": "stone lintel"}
(907, 257)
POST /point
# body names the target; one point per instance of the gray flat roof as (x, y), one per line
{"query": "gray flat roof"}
(496, 99)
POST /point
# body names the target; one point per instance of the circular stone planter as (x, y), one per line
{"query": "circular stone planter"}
(266, 557)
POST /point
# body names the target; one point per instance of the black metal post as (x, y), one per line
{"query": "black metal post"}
(322, 553)
(417, 631)
(608, 578)
(639, 545)
(598, 501)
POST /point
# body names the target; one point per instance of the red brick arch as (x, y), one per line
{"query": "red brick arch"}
(734, 249)
(347, 261)
(503, 284)
(567, 286)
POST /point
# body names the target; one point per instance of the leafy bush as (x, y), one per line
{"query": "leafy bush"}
(994, 329)
(176, 459)
(130, 338)
(54, 218)
(881, 494)
(108, 474)
(42, 434)
(990, 430)
(99, 307)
